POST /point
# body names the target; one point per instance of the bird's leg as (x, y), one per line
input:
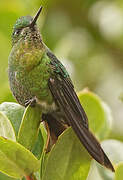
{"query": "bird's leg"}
(51, 136)
(31, 102)
(54, 129)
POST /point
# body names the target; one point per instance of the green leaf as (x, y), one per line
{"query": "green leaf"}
(68, 159)
(45, 155)
(6, 129)
(114, 150)
(29, 128)
(93, 173)
(14, 112)
(40, 142)
(44, 160)
(15, 160)
(119, 172)
(39, 145)
(37, 175)
(98, 114)
(44, 132)
(5, 177)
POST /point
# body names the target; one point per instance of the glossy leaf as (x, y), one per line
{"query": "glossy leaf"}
(45, 155)
(44, 160)
(14, 112)
(5, 177)
(93, 173)
(98, 113)
(44, 132)
(114, 150)
(15, 160)
(38, 146)
(6, 129)
(119, 172)
(68, 159)
(29, 128)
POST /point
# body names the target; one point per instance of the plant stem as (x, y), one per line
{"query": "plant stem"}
(30, 178)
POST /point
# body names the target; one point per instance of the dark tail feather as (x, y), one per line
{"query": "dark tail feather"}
(91, 144)
(107, 163)
(61, 94)
(88, 139)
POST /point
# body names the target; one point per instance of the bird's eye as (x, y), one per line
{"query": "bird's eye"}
(17, 32)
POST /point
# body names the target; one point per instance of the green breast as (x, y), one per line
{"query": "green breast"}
(29, 71)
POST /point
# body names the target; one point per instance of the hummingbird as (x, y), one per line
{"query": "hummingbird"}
(37, 77)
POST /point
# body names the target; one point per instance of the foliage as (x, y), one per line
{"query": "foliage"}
(23, 152)
(87, 36)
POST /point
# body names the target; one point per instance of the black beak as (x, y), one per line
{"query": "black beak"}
(36, 17)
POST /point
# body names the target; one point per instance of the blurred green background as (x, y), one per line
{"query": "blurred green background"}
(86, 35)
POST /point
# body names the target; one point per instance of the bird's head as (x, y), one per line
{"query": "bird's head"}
(24, 27)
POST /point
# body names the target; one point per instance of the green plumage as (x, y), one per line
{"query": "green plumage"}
(29, 73)
(36, 74)
(30, 67)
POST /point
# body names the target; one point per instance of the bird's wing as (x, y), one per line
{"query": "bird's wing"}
(63, 76)
(63, 92)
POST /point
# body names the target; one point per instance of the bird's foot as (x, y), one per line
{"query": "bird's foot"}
(31, 102)
(44, 117)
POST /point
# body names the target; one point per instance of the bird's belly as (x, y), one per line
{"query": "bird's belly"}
(26, 86)
(46, 107)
